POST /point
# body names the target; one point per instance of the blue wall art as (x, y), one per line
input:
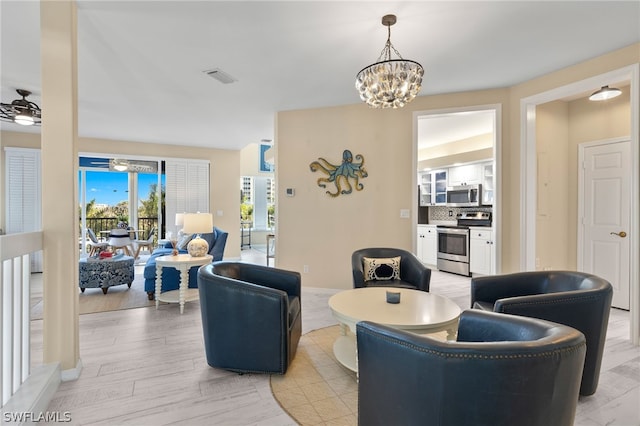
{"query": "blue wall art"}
(345, 176)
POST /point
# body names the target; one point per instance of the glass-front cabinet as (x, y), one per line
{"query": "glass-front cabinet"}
(488, 184)
(433, 187)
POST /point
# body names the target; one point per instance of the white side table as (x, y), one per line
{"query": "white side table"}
(182, 263)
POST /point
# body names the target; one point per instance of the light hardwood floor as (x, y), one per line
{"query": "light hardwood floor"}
(147, 367)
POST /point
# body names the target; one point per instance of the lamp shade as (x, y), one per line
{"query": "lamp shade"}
(197, 223)
(180, 219)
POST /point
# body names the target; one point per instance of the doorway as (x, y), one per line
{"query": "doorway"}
(528, 176)
(465, 139)
(114, 191)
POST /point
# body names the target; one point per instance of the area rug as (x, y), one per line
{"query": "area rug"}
(317, 389)
(94, 300)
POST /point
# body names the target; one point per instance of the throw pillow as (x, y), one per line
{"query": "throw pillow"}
(183, 241)
(210, 238)
(381, 269)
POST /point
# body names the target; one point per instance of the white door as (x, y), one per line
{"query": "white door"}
(606, 209)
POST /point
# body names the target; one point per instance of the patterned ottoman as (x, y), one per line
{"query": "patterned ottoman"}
(106, 273)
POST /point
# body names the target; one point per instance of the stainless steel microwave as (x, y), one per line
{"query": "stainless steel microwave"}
(464, 196)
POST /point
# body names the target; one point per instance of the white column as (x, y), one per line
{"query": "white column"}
(60, 220)
(260, 202)
(133, 201)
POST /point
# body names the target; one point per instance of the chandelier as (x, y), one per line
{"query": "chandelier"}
(389, 83)
(21, 111)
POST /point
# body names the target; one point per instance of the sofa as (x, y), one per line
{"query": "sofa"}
(576, 299)
(251, 316)
(170, 276)
(502, 370)
(412, 273)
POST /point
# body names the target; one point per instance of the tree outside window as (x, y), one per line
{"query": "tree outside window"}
(246, 204)
(257, 205)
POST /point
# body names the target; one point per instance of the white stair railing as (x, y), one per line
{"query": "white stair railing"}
(15, 347)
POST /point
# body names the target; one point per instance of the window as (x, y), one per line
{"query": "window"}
(258, 201)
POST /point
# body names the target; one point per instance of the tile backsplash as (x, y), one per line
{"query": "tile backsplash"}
(439, 213)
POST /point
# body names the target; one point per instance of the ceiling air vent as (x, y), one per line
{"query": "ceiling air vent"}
(220, 75)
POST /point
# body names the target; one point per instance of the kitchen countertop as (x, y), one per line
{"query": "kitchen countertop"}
(442, 222)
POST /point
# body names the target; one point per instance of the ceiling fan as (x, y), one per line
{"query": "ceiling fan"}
(123, 165)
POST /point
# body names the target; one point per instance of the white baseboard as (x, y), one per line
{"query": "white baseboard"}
(72, 373)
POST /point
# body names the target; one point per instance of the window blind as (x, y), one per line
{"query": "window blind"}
(187, 188)
(22, 195)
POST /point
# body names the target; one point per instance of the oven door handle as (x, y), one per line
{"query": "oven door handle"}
(452, 231)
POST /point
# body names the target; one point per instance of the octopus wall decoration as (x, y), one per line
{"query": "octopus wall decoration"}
(341, 174)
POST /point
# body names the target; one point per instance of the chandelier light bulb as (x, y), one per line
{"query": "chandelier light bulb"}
(24, 119)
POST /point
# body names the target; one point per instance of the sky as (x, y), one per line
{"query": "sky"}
(111, 187)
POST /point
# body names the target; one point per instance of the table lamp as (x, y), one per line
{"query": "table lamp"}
(198, 223)
(180, 221)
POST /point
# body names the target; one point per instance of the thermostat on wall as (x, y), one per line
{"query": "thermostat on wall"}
(290, 192)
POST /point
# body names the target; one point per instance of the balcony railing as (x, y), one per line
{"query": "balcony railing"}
(144, 225)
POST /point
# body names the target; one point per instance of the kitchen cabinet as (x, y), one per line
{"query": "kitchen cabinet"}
(469, 174)
(427, 245)
(482, 251)
(488, 184)
(433, 188)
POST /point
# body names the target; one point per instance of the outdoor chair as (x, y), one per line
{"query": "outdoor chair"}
(95, 246)
(147, 244)
(119, 239)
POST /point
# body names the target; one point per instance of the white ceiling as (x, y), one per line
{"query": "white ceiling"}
(439, 129)
(140, 64)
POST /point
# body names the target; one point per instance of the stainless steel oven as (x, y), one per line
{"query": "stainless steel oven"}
(453, 249)
(454, 242)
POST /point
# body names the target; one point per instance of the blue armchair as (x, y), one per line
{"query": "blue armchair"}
(171, 277)
(502, 370)
(413, 274)
(251, 316)
(576, 299)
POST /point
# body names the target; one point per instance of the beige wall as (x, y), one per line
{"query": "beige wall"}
(589, 122)
(552, 221)
(225, 172)
(511, 143)
(319, 231)
(322, 232)
(560, 128)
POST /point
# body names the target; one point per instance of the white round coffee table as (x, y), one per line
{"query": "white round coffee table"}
(418, 311)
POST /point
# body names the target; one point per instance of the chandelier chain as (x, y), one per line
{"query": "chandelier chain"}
(385, 54)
